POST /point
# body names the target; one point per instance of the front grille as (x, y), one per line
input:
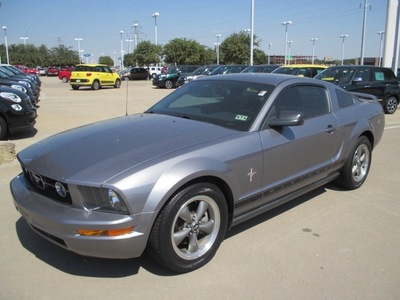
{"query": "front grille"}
(47, 187)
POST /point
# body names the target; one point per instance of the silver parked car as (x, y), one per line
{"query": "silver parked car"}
(215, 152)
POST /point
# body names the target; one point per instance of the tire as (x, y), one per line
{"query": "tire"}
(95, 85)
(390, 105)
(190, 228)
(65, 79)
(356, 168)
(74, 87)
(117, 84)
(169, 84)
(3, 128)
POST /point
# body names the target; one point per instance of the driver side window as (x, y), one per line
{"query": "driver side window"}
(311, 101)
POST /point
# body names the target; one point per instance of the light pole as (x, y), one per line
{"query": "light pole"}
(286, 23)
(217, 47)
(363, 31)
(269, 52)
(129, 41)
(313, 40)
(135, 27)
(252, 33)
(155, 15)
(5, 41)
(343, 37)
(79, 48)
(289, 43)
(381, 33)
(24, 38)
(122, 50)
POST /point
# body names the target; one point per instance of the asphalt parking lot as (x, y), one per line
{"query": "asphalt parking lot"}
(328, 244)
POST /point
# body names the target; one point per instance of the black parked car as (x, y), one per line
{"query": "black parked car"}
(377, 81)
(260, 69)
(169, 79)
(135, 73)
(199, 72)
(228, 69)
(24, 81)
(17, 113)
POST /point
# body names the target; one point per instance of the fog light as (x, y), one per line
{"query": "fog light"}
(100, 232)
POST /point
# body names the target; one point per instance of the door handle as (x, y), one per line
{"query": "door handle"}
(330, 129)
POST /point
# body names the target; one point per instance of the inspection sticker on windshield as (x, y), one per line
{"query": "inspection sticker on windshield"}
(241, 117)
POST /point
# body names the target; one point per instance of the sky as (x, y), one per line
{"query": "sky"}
(99, 23)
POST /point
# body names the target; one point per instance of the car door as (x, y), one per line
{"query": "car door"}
(384, 82)
(362, 82)
(296, 156)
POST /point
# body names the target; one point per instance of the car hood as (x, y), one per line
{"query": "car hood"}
(94, 153)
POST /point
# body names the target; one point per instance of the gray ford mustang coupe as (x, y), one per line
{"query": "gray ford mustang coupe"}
(215, 152)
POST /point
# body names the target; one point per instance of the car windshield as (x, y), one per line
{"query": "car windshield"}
(231, 104)
(336, 75)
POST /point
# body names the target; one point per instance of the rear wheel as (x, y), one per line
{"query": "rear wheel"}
(95, 85)
(3, 128)
(356, 168)
(169, 84)
(190, 228)
(390, 105)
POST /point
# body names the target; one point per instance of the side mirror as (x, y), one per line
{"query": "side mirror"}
(287, 118)
(357, 79)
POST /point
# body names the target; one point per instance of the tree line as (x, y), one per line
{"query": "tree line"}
(235, 49)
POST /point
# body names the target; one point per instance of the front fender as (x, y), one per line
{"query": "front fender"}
(184, 172)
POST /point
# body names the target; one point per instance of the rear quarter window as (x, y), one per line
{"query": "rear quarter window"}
(344, 99)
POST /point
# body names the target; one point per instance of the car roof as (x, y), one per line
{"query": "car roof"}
(91, 65)
(303, 66)
(263, 78)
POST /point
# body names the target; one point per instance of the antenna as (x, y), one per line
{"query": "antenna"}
(127, 93)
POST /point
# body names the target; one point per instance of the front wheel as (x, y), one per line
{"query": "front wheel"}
(65, 79)
(117, 84)
(169, 84)
(356, 168)
(190, 228)
(390, 105)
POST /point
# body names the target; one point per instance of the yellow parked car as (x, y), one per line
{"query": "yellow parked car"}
(95, 76)
(300, 70)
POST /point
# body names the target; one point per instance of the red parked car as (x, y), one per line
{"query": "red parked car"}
(65, 74)
(27, 70)
(52, 71)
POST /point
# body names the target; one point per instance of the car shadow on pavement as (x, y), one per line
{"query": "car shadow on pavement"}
(76, 264)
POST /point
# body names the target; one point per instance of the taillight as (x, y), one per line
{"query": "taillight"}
(88, 74)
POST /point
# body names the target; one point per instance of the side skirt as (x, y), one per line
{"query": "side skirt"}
(270, 205)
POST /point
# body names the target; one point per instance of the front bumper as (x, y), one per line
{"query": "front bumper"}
(59, 223)
(158, 82)
(22, 122)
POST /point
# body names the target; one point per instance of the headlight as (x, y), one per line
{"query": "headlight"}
(11, 97)
(25, 83)
(101, 199)
(19, 87)
(17, 107)
(163, 75)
